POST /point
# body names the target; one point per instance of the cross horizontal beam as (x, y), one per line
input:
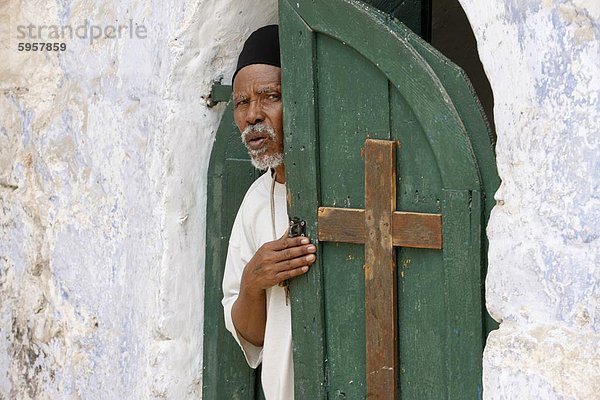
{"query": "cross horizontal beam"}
(409, 229)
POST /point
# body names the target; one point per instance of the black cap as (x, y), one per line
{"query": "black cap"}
(262, 47)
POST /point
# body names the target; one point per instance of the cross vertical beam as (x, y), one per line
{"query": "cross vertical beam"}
(380, 270)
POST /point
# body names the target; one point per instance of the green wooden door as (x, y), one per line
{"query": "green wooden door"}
(225, 372)
(352, 73)
(226, 375)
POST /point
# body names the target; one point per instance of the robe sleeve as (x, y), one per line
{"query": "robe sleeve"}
(234, 267)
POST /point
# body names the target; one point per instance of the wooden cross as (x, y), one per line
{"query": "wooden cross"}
(380, 227)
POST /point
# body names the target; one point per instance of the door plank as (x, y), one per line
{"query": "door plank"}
(352, 105)
(464, 326)
(303, 193)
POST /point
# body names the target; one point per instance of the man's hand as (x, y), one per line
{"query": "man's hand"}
(274, 262)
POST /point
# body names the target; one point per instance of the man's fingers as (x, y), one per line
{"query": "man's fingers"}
(292, 273)
(295, 252)
(294, 263)
(285, 242)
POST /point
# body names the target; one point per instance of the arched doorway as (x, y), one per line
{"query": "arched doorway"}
(229, 377)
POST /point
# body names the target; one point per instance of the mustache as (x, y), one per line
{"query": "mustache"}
(260, 127)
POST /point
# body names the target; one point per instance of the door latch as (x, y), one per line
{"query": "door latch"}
(297, 227)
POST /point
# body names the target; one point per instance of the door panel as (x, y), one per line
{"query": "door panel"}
(420, 271)
(345, 120)
(226, 374)
(346, 79)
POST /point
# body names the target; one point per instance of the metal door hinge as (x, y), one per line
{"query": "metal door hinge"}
(218, 94)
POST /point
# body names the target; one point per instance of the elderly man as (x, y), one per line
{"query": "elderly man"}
(260, 255)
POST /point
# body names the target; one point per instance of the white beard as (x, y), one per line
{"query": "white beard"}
(257, 157)
(266, 160)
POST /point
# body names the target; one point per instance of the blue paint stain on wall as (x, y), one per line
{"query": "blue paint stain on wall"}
(27, 118)
(517, 12)
(64, 12)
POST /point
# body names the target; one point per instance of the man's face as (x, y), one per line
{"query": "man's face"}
(258, 113)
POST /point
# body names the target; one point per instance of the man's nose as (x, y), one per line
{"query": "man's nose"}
(255, 113)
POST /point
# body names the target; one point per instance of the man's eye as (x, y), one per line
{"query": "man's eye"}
(241, 102)
(274, 96)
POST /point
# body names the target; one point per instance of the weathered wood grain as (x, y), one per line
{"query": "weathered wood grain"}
(347, 225)
(423, 231)
(380, 270)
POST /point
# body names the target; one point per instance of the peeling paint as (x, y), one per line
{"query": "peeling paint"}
(104, 152)
(542, 60)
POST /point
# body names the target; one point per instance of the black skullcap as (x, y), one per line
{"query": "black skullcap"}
(262, 47)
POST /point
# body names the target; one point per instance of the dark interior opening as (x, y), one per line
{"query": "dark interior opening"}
(444, 24)
(452, 35)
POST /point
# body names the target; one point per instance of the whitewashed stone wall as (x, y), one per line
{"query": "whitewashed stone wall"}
(542, 58)
(103, 158)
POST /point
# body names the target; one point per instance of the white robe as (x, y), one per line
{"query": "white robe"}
(251, 229)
